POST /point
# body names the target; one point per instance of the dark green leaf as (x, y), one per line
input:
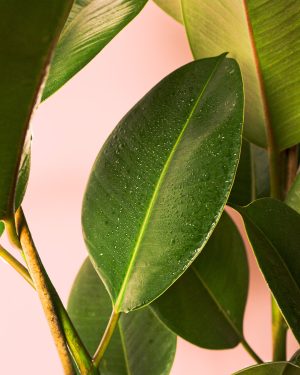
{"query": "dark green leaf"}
(260, 171)
(206, 305)
(1, 228)
(242, 190)
(161, 180)
(293, 197)
(273, 230)
(252, 176)
(92, 24)
(140, 344)
(275, 368)
(28, 32)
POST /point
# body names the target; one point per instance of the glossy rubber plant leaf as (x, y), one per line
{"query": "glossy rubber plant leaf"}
(273, 230)
(25, 55)
(252, 177)
(293, 196)
(275, 368)
(92, 24)
(251, 30)
(141, 344)
(161, 180)
(206, 305)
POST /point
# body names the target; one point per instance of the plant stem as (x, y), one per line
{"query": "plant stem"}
(60, 324)
(4, 254)
(10, 228)
(114, 318)
(279, 332)
(42, 288)
(250, 351)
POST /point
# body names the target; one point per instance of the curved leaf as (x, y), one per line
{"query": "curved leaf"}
(206, 305)
(140, 344)
(1, 228)
(293, 196)
(92, 24)
(250, 28)
(29, 30)
(273, 230)
(275, 368)
(172, 7)
(161, 180)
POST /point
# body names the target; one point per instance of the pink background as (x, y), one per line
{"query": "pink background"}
(68, 132)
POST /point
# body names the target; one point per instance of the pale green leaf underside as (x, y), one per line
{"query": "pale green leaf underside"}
(140, 344)
(92, 24)
(172, 7)
(275, 368)
(293, 197)
(273, 230)
(221, 25)
(202, 308)
(161, 180)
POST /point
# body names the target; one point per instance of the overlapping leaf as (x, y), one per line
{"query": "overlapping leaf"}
(252, 31)
(206, 305)
(141, 344)
(92, 24)
(275, 368)
(28, 31)
(161, 180)
(252, 177)
(273, 230)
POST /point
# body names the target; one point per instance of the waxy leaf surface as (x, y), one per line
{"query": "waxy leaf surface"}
(141, 344)
(92, 24)
(29, 30)
(161, 180)
(264, 37)
(273, 230)
(275, 368)
(206, 304)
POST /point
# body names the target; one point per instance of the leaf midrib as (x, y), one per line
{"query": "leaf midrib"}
(153, 199)
(219, 306)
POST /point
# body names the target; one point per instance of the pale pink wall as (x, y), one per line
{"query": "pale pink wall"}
(68, 131)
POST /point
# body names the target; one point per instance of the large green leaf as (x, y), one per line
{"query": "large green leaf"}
(140, 344)
(206, 305)
(92, 24)
(275, 368)
(293, 196)
(252, 31)
(161, 180)
(29, 30)
(273, 230)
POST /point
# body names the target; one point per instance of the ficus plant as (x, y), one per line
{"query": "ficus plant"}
(164, 257)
